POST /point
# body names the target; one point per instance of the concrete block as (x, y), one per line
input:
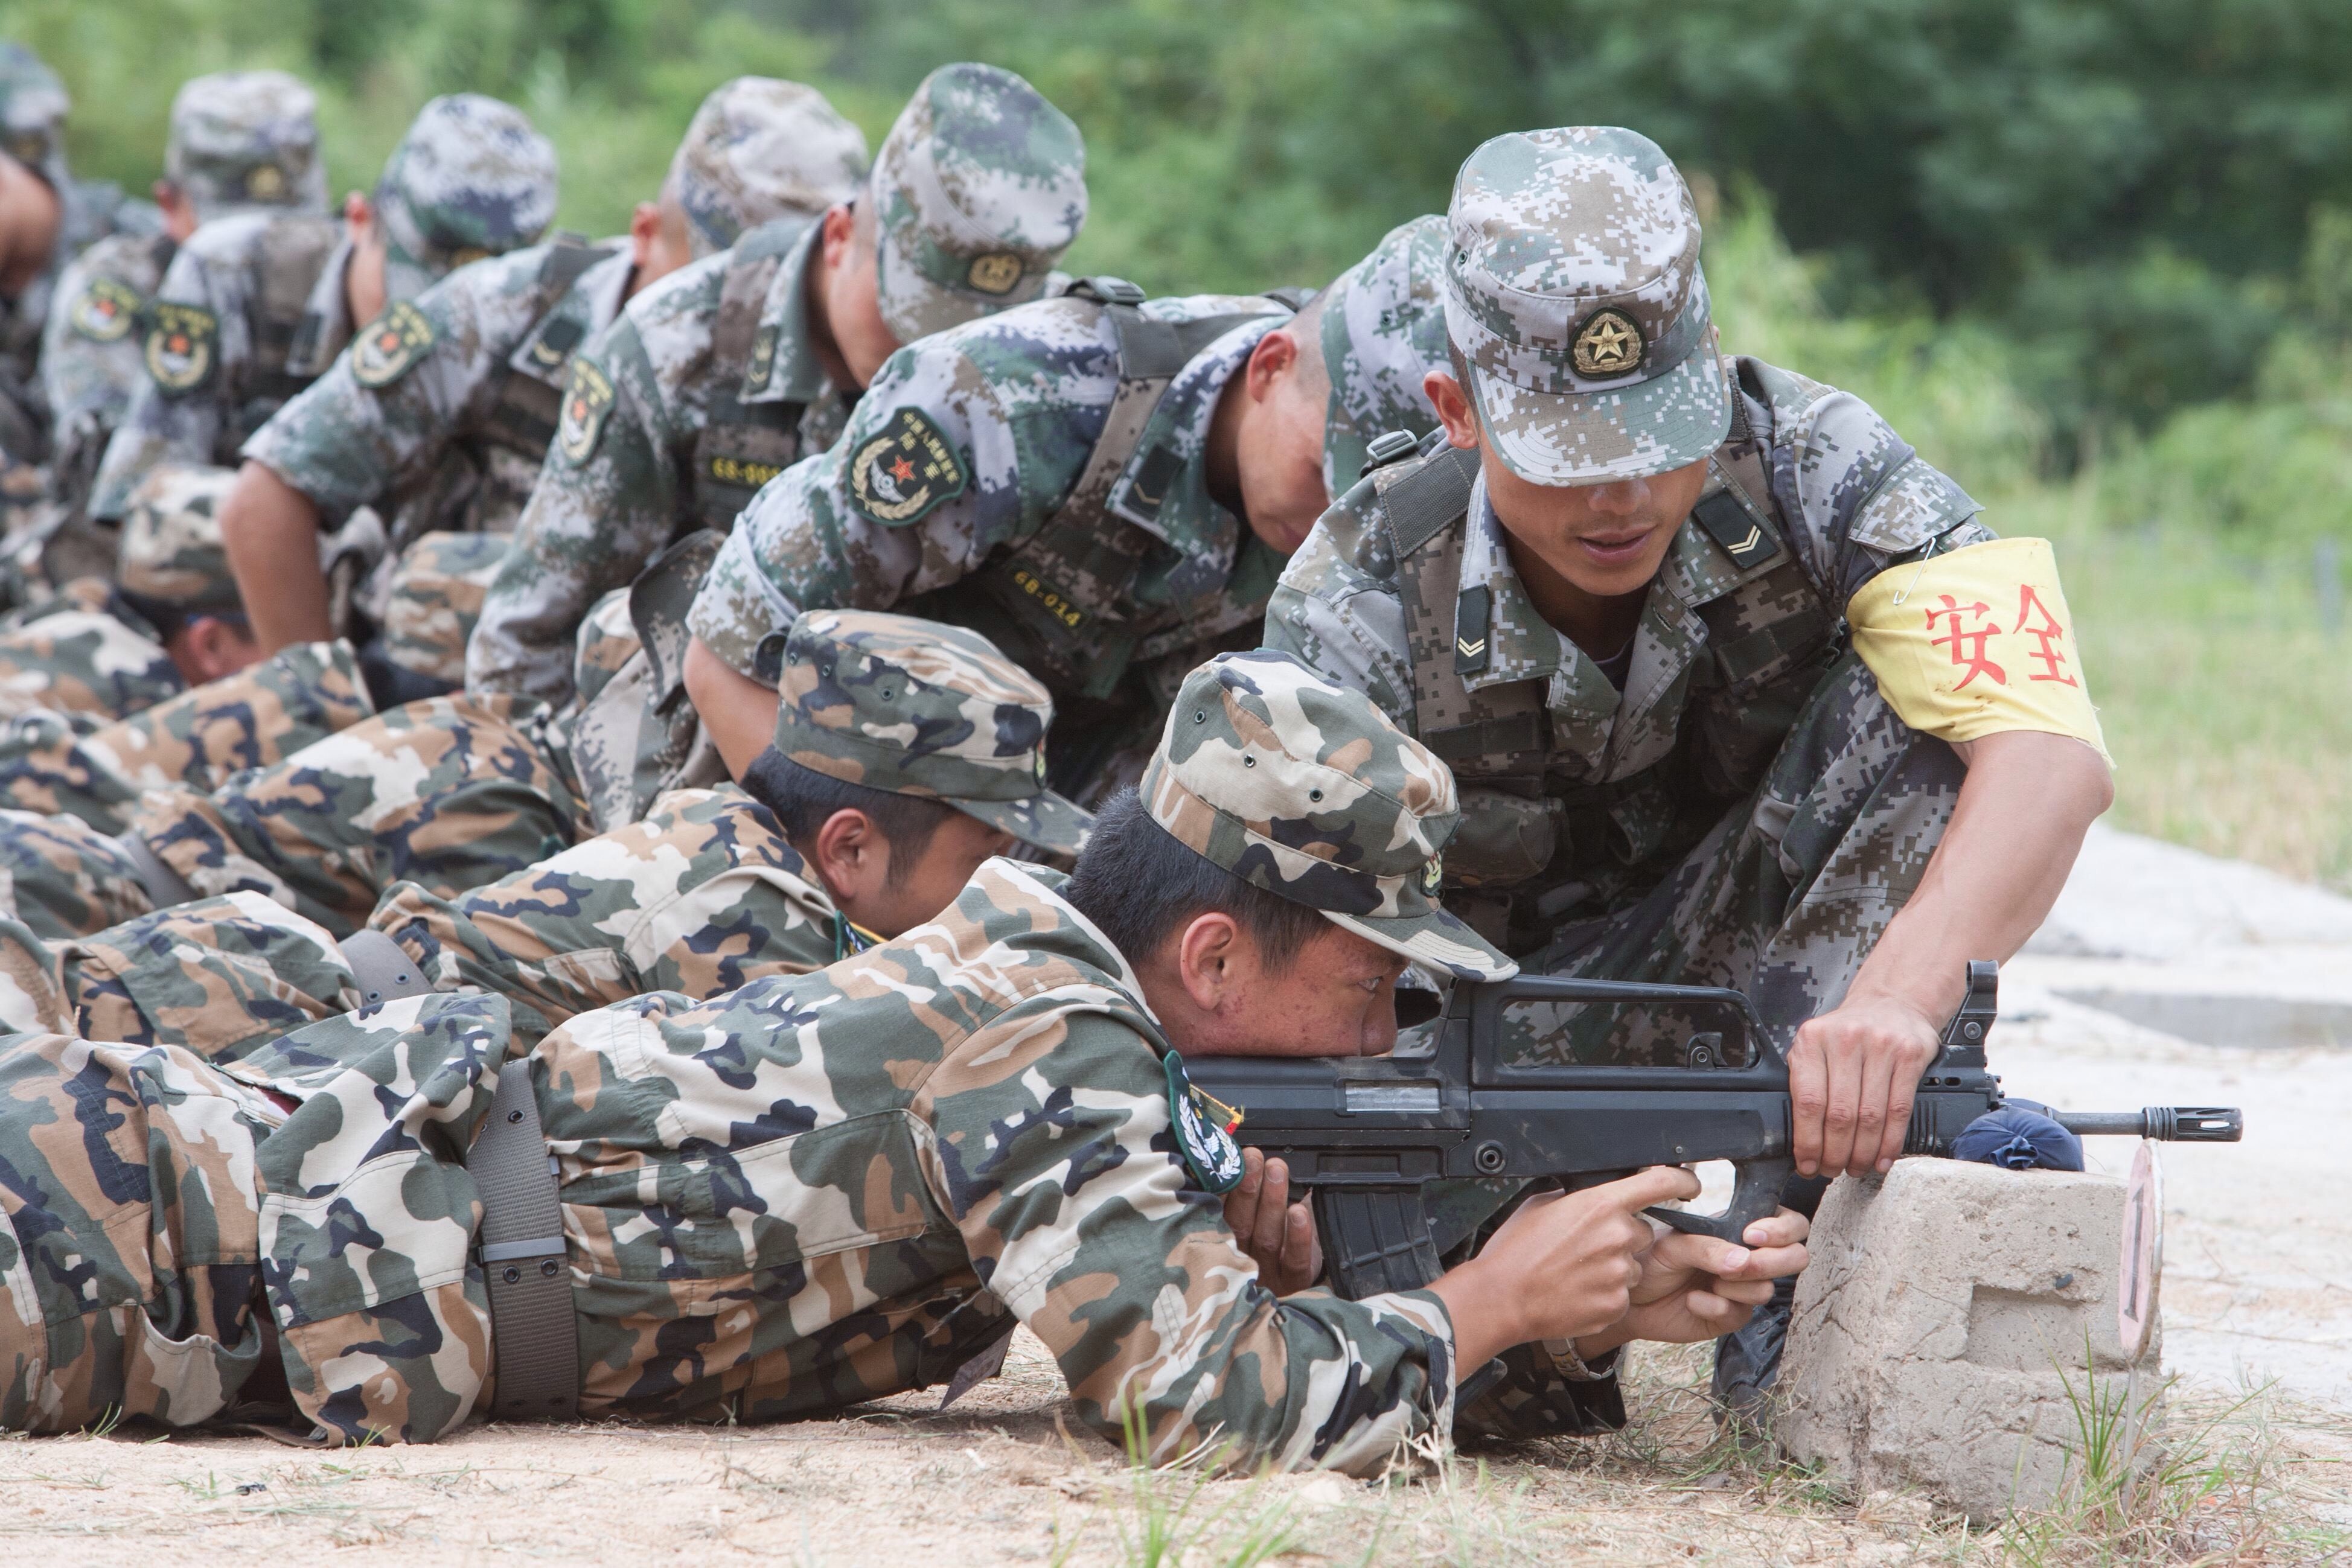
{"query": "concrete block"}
(1942, 1303)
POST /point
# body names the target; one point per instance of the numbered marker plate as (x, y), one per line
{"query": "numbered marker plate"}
(2142, 1264)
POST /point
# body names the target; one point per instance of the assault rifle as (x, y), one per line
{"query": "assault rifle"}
(1364, 1135)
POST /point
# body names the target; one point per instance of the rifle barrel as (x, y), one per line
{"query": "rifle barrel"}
(2168, 1124)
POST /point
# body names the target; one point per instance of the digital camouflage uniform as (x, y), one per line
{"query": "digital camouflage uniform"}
(92, 653)
(241, 141)
(253, 307)
(33, 108)
(1383, 328)
(440, 415)
(711, 385)
(802, 1194)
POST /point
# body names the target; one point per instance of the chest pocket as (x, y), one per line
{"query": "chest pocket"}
(741, 446)
(1061, 602)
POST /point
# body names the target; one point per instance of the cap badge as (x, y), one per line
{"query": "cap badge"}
(466, 256)
(1609, 344)
(264, 183)
(994, 273)
(1433, 875)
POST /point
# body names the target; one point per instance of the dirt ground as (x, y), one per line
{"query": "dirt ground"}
(2258, 1286)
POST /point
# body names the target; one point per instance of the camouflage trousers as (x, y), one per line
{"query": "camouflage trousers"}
(131, 1236)
(199, 739)
(1783, 900)
(451, 793)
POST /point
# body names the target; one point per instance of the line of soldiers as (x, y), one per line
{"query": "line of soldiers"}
(514, 749)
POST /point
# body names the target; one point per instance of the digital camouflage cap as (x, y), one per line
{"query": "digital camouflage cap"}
(471, 179)
(1574, 294)
(979, 188)
(918, 708)
(761, 149)
(1304, 789)
(33, 108)
(244, 141)
(171, 551)
(1382, 324)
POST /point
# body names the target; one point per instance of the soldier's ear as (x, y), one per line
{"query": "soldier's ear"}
(850, 856)
(1208, 952)
(1453, 411)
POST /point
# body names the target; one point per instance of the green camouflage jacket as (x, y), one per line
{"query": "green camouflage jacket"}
(425, 419)
(610, 495)
(86, 655)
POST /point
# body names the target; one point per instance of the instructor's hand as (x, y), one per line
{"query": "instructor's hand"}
(1852, 1075)
(1277, 1234)
(1696, 1287)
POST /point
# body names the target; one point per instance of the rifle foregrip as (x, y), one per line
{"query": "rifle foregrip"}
(1375, 1240)
(1755, 1196)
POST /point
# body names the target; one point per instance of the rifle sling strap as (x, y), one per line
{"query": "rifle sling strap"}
(533, 1335)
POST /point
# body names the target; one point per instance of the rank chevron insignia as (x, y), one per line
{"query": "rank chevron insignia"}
(1469, 649)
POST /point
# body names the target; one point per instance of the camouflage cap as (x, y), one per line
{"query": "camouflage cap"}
(762, 149)
(918, 708)
(171, 548)
(1574, 294)
(471, 179)
(1304, 789)
(979, 188)
(33, 108)
(246, 140)
(1383, 328)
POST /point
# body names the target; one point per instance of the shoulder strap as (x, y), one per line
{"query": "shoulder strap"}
(294, 251)
(736, 322)
(568, 255)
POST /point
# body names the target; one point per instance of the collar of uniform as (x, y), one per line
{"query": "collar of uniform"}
(327, 324)
(797, 374)
(595, 298)
(1164, 488)
(1522, 646)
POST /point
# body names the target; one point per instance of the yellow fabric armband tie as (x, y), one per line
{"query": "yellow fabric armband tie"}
(1977, 643)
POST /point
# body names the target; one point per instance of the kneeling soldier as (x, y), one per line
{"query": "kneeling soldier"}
(817, 1191)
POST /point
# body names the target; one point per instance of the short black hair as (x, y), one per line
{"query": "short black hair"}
(170, 620)
(804, 799)
(1141, 884)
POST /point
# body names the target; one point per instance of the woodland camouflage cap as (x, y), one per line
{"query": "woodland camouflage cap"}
(1304, 789)
(918, 708)
(33, 108)
(1574, 294)
(246, 140)
(172, 549)
(471, 179)
(979, 188)
(761, 149)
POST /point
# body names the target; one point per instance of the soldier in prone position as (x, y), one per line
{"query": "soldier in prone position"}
(440, 415)
(820, 1190)
(741, 365)
(254, 307)
(241, 142)
(911, 753)
(1738, 690)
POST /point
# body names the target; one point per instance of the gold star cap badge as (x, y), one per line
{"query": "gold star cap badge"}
(1609, 344)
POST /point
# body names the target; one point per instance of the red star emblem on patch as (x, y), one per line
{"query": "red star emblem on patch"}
(902, 470)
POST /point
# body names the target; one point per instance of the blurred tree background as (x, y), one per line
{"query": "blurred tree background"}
(2092, 256)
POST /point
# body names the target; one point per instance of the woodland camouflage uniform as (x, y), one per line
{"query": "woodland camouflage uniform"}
(253, 308)
(802, 1194)
(441, 414)
(711, 384)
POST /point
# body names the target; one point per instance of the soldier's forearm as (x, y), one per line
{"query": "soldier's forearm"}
(739, 712)
(2028, 800)
(271, 532)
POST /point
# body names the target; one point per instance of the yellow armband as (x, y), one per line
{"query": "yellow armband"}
(1977, 643)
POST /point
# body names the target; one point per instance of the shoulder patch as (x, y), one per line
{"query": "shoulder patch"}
(902, 473)
(391, 343)
(1205, 1141)
(587, 399)
(182, 345)
(105, 310)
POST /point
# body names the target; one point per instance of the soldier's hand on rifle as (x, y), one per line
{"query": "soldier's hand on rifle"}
(1278, 1235)
(1852, 1074)
(1697, 1288)
(1563, 1266)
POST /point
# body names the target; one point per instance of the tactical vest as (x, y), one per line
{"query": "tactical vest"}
(530, 402)
(1534, 843)
(743, 445)
(1062, 601)
(294, 252)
